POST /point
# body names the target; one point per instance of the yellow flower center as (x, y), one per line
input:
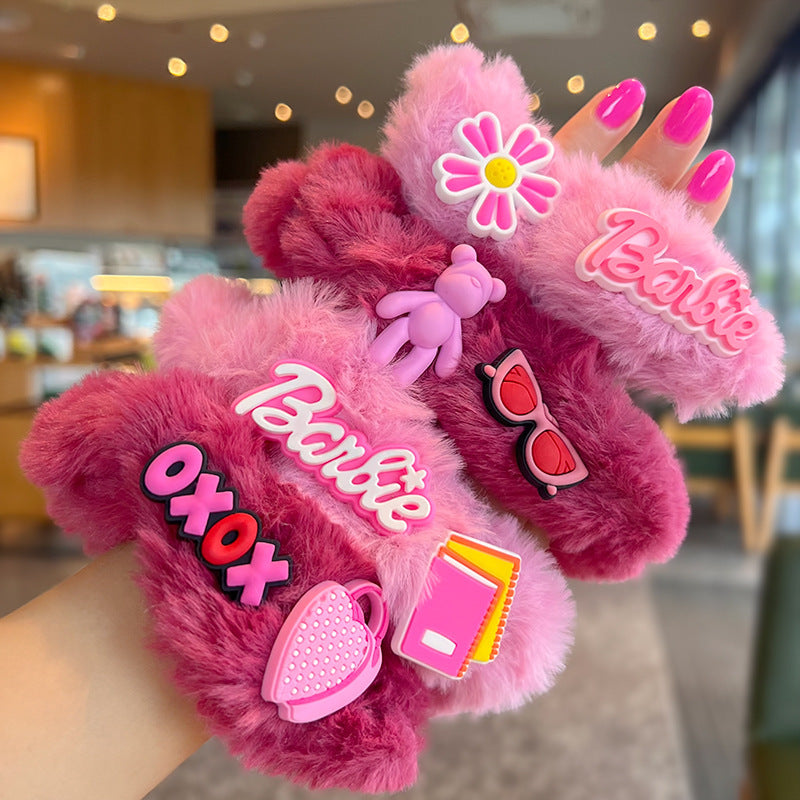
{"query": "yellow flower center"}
(501, 172)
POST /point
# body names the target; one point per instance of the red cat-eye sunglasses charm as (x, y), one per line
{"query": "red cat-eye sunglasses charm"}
(546, 457)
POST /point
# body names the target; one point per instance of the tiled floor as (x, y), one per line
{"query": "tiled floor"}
(706, 603)
(652, 699)
(606, 730)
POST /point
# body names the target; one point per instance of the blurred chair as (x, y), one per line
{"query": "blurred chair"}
(773, 740)
(719, 460)
(784, 440)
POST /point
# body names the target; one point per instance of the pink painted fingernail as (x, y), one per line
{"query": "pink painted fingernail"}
(689, 115)
(617, 107)
(711, 177)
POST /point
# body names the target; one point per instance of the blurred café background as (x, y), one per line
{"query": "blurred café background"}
(130, 137)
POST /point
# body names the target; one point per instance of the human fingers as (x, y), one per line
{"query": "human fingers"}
(670, 144)
(709, 183)
(604, 121)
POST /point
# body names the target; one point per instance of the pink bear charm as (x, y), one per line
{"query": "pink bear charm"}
(432, 321)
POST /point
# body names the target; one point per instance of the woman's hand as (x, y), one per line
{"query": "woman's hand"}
(666, 150)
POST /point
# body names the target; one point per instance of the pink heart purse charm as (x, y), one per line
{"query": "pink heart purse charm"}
(326, 655)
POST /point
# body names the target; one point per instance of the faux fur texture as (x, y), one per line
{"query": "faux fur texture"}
(340, 218)
(88, 447)
(218, 647)
(451, 83)
(245, 335)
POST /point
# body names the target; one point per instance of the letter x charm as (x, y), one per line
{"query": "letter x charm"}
(263, 571)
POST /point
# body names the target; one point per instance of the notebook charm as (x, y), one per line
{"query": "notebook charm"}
(462, 607)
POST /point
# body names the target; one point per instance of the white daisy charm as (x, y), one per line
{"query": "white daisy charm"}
(504, 178)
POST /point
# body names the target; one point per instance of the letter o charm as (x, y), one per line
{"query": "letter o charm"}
(157, 479)
(244, 525)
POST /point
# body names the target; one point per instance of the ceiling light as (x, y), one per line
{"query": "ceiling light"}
(256, 40)
(535, 103)
(218, 33)
(107, 12)
(343, 95)
(701, 28)
(647, 31)
(13, 21)
(365, 109)
(245, 114)
(550, 19)
(244, 78)
(72, 51)
(576, 84)
(177, 67)
(131, 283)
(460, 33)
(283, 112)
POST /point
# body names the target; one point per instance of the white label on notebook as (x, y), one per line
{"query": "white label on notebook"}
(438, 642)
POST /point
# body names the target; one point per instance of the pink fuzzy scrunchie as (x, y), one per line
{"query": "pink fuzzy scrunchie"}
(90, 450)
(611, 285)
(451, 84)
(332, 489)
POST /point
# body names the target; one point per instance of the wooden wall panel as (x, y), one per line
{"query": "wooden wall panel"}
(115, 156)
(18, 497)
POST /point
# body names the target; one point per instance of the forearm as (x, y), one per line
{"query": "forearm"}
(87, 710)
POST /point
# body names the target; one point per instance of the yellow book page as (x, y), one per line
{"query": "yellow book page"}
(502, 565)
